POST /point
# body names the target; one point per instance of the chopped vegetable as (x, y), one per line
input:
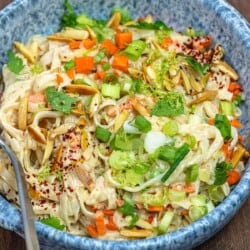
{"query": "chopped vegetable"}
(142, 124)
(227, 108)
(170, 128)
(221, 171)
(216, 193)
(75, 44)
(59, 100)
(201, 69)
(53, 222)
(236, 123)
(106, 66)
(157, 25)
(109, 46)
(120, 160)
(92, 231)
(196, 212)
(135, 49)
(176, 195)
(123, 39)
(88, 43)
(102, 134)
(192, 173)
(69, 17)
(84, 64)
(171, 105)
(111, 90)
(120, 62)
(223, 124)
(233, 177)
(166, 221)
(100, 226)
(69, 65)
(15, 63)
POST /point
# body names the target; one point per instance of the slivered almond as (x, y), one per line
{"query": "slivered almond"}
(22, 114)
(91, 33)
(139, 107)
(186, 82)
(135, 73)
(136, 233)
(207, 95)
(48, 150)
(25, 52)
(227, 69)
(36, 134)
(120, 120)
(33, 193)
(114, 21)
(238, 154)
(82, 122)
(84, 140)
(58, 158)
(59, 38)
(95, 102)
(80, 89)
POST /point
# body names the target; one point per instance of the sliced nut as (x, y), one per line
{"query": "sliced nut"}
(91, 33)
(238, 154)
(82, 122)
(23, 113)
(95, 102)
(34, 49)
(194, 84)
(36, 134)
(207, 95)
(25, 52)
(135, 73)
(80, 89)
(227, 69)
(139, 107)
(114, 21)
(136, 233)
(62, 129)
(48, 150)
(58, 158)
(120, 120)
(59, 38)
(84, 140)
(33, 193)
(186, 82)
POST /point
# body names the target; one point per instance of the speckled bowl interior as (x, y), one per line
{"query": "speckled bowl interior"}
(23, 18)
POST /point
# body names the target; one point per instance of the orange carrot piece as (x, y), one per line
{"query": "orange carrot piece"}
(233, 177)
(111, 224)
(155, 208)
(71, 73)
(122, 39)
(109, 47)
(59, 79)
(92, 231)
(189, 188)
(36, 98)
(75, 44)
(210, 121)
(207, 41)
(166, 42)
(108, 211)
(84, 64)
(150, 218)
(100, 75)
(120, 62)
(236, 123)
(100, 226)
(89, 43)
(233, 86)
(227, 152)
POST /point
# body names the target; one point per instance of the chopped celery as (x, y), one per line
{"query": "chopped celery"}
(141, 168)
(191, 141)
(216, 193)
(135, 49)
(192, 173)
(196, 212)
(99, 56)
(199, 200)
(142, 124)
(102, 134)
(126, 86)
(121, 160)
(170, 128)
(111, 90)
(166, 221)
(156, 199)
(84, 20)
(227, 108)
(205, 175)
(176, 195)
(133, 178)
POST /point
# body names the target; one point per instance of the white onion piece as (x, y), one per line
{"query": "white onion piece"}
(130, 129)
(155, 139)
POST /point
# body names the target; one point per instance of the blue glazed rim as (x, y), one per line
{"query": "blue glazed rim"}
(185, 238)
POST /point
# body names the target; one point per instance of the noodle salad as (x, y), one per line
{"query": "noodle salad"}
(125, 128)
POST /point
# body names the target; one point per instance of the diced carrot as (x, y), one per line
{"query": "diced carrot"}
(71, 73)
(108, 211)
(236, 123)
(233, 86)
(210, 121)
(150, 218)
(100, 226)
(109, 47)
(240, 139)
(84, 64)
(111, 224)
(36, 98)
(92, 231)
(120, 62)
(166, 42)
(189, 188)
(59, 79)
(122, 39)
(155, 208)
(227, 151)
(89, 43)
(233, 177)
(75, 44)
(100, 75)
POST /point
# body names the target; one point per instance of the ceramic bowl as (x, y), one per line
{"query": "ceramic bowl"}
(23, 18)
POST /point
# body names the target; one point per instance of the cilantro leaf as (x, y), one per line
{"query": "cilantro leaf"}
(201, 69)
(69, 17)
(221, 171)
(53, 222)
(15, 63)
(223, 124)
(59, 100)
(171, 105)
(157, 25)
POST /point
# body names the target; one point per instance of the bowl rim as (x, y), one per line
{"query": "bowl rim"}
(208, 225)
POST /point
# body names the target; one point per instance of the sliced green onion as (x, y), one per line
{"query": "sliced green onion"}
(191, 141)
(142, 124)
(111, 90)
(69, 65)
(192, 173)
(170, 128)
(106, 66)
(196, 212)
(216, 193)
(135, 49)
(227, 108)
(165, 221)
(102, 134)
(126, 86)
(100, 56)
(141, 168)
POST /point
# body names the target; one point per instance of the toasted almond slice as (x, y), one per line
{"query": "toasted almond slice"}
(84, 140)
(58, 158)
(186, 82)
(139, 107)
(227, 69)
(81, 89)
(77, 112)
(59, 38)
(114, 21)
(135, 73)
(23, 113)
(120, 120)
(195, 85)
(238, 154)
(95, 102)
(75, 34)
(62, 129)
(36, 134)
(48, 150)
(25, 52)
(207, 95)
(136, 233)
(91, 33)
(34, 49)
(33, 193)
(82, 122)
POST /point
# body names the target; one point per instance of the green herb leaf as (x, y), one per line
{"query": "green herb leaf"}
(171, 105)
(157, 25)
(201, 69)
(53, 222)
(221, 171)
(238, 100)
(102, 134)
(59, 100)
(69, 17)
(15, 63)
(192, 173)
(223, 124)
(69, 65)
(127, 208)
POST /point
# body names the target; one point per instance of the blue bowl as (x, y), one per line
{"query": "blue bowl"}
(24, 18)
